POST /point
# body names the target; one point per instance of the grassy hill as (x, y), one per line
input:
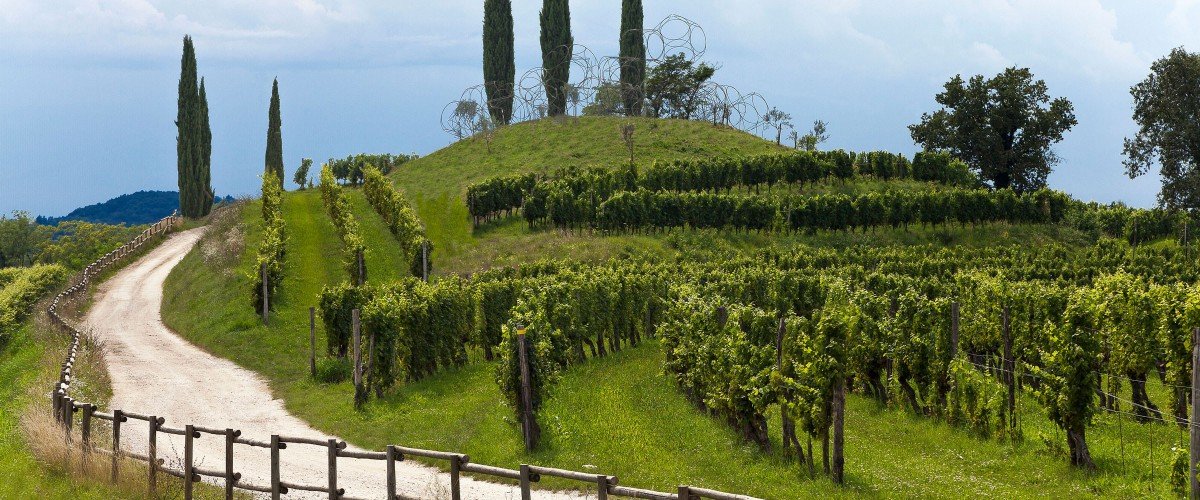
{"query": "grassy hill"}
(437, 184)
(644, 430)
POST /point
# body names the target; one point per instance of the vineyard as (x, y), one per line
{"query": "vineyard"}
(757, 320)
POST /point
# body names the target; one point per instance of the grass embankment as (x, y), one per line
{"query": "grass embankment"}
(620, 414)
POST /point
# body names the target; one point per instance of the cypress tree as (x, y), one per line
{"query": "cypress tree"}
(499, 65)
(274, 136)
(204, 170)
(186, 147)
(633, 57)
(557, 46)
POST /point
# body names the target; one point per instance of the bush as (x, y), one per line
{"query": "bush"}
(25, 287)
(334, 370)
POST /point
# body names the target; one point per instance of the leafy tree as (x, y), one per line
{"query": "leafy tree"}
(1002, 127)
(193, 143)
(778, 120)
(633, 57)
(608, 101)
(19, 239)
(1165, 106)
(301, 177)
(274, 163)
(557, 47)
(813, 138)
(673, 87)
(499, 68)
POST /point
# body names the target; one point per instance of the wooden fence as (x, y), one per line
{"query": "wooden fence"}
(65, 408)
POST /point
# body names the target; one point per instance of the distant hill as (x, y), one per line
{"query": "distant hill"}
(142, 207)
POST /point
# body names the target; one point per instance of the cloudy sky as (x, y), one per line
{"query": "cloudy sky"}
(87, 87)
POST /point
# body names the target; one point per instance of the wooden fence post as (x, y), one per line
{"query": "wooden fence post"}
(312, 341)
(230, 435)
(526, 397)
(275, 487)
(601, 487)
(391, 470)
(684, 492)
(1192, 426)
(188, 471)
(1009, 367)
(525, 492)
(266, 300)
(333, 452)
(455, 469)
(85, 432)
(152, 454)
(118, 417)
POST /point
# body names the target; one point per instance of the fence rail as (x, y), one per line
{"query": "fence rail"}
(64, 410)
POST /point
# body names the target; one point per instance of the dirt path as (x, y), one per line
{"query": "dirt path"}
(155, 372)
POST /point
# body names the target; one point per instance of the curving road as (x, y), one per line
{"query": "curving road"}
(155, 372)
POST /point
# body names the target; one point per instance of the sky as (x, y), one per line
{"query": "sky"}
(88, 87)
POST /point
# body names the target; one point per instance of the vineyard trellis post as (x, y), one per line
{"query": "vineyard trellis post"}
(1194, 455)
(953, 330)
(425, 260)
(356, 328)
(526, 397)
(839, 425)
(1009, 367)
(312, 341)
(362, 278)
(266, 303)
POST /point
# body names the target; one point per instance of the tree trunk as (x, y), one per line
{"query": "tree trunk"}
(1080, 456)
(1143, 408)
(839, 424)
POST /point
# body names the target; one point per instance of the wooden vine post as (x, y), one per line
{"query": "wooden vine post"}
(266, 304)
(839, 426)
(526, 396)
(356, 328)
(425, 260)
(1009, 368)
(312, 342)
(361, 266)
(1192, 426)
(953, 330)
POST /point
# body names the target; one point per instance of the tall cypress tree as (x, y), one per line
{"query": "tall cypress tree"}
(186, 147)
(275, 136)
(633, 57)
(557, 46)
(499, 65)
(204, 170)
